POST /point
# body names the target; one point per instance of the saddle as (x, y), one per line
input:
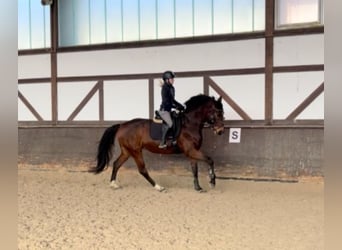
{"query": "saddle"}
(156, 126)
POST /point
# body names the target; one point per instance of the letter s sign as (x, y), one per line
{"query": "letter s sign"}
(234, 135)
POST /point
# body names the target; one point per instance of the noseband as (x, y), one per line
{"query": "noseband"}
(212, 121)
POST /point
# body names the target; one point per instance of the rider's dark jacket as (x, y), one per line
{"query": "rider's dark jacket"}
(168, 98)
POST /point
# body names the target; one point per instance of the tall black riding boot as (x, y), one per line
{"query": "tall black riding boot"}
(174, 139)
(165, 128)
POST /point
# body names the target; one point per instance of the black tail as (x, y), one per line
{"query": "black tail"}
(104, 150)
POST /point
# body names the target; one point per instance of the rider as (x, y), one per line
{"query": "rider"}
(168, 102)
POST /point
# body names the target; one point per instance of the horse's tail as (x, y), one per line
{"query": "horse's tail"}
(104, 150)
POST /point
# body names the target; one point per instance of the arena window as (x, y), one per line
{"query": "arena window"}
(109, 21)
(298, 13)
(33, 25)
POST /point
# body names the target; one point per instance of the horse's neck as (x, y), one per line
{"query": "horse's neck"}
(194, 120)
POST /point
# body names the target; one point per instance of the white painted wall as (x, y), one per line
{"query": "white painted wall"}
(290, 89)
(247, 91)
(34, 66)
(125, 100)
(299, 50)
(39, 95)
(206, 56)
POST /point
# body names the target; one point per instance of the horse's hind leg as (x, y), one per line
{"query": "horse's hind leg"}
(116, 165)
(143, 171)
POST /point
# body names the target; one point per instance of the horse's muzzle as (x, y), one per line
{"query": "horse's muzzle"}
(219, 130)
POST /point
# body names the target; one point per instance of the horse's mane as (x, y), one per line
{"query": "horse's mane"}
(196, 101)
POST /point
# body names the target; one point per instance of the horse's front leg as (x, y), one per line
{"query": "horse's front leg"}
(198, 155)
(194, 169)
(212, 175)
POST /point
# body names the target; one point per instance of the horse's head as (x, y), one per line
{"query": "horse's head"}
(208, 110)
(215, 116)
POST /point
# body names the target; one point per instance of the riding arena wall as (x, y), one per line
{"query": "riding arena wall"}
(262, 152)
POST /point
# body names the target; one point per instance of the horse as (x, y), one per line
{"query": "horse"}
(134, 135)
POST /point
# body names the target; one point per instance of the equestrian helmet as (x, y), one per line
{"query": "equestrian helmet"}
(168, 74)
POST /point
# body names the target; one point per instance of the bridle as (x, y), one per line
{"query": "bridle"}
(212, 121)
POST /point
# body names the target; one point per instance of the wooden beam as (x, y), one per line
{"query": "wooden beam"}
(303, 124)
(151, 97)
(299, 31)
(34, 80)
(206, 85)
(229, 100)
(53, 60)
(269, 30)
(29, 106)
(306, 102)
(101, 101)
(225, 72)
(84, 101)
(298, 68)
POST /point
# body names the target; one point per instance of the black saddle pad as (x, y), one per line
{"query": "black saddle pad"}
(156, 128)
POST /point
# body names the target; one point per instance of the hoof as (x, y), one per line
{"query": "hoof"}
(212, 185)
(159, 188)
(114, 185)
(201, 190)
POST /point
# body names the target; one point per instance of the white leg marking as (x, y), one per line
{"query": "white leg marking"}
(114, 185)
(159, 188)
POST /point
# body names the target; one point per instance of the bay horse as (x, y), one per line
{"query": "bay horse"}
(133, 136)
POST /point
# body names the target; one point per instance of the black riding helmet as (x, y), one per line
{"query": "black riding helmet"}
(168, 74)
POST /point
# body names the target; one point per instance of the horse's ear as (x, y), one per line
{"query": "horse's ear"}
(219, 99)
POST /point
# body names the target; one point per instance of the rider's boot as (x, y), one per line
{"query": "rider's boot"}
(165, 128)
(174, 139)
